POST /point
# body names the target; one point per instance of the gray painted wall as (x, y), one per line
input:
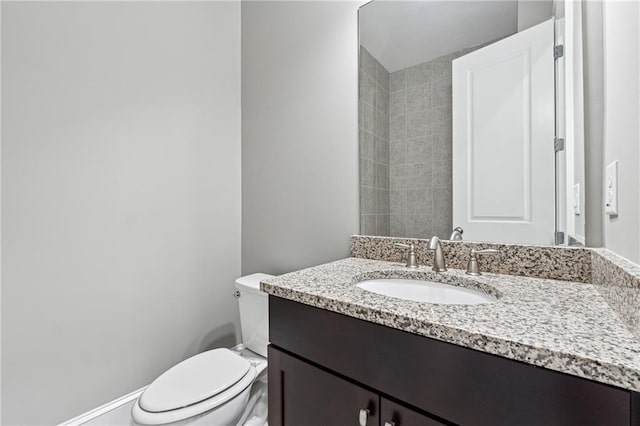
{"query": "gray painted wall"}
(593, 54)
(120, 196)
(299, 133)
(622, 127)
(533, 12)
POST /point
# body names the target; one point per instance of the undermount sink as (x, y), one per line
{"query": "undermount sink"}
(426, 291)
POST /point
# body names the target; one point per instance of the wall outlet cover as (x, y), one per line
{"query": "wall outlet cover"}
(576, 198)
(611, 190)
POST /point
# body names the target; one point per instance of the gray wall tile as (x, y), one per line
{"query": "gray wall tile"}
(367, 200)
(382, 224)
(419, 98)
(441, 175)
(419, 201)
(374, 145)
(418, 176)
(440, 115)
(398, 153)
(419, 225)
(419, 150)
(381, 176)
(366, 172)
(420, 172)
(383, 203)
(367, 63)
(368, 118)
(398, 128)
(382, 101)
(399, 226)
(397, 202)
(417, 75)
(441, 67)
(368, 224)
(441, 91)
(368, 89)
(382, 124)
(382, 76)
(413, 151)
(397, 103)
(382, 151)
(441, 146)
(398, 81)
(382, 200)
(442, 203)
(417, 124)
(367, 145)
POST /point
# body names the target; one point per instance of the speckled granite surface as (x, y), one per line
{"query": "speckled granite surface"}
(560, 263)
(610, 269)
(581, 329)
(618, 281)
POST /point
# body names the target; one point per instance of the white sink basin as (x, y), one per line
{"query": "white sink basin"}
(426, 291)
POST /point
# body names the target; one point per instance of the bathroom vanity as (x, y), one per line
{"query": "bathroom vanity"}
(326, 368)
(547, 352)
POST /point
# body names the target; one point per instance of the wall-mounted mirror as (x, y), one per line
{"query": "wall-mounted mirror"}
(471, 121)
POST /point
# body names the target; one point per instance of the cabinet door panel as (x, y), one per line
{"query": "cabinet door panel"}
(393, 414)
(301, 394)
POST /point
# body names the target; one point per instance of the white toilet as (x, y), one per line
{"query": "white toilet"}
(213, 387)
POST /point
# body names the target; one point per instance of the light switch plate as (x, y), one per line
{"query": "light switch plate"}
(576, 198)
(611, 190)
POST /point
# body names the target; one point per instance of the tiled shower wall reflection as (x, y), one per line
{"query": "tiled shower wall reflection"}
(420, 145)
(374, 146)
(405, 148)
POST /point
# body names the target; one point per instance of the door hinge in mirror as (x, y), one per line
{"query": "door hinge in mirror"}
(558, 51)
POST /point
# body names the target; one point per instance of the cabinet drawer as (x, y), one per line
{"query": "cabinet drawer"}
(394, 414)
(458, 384)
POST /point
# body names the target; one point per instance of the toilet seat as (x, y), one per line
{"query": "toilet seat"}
(196, 385)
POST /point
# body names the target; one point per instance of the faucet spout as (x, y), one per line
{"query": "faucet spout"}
(439, 264)
(456, 235)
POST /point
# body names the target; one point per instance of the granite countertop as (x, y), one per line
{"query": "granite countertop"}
(575, 328)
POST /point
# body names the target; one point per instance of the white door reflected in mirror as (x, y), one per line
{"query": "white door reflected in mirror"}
(503, 133)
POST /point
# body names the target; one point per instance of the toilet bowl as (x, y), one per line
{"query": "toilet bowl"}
(213, 387)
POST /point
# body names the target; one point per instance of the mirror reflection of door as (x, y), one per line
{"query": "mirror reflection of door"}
(408, 164)
(503, 133)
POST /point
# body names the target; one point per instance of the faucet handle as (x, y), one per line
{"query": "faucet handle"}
(472, 266)
(411, 257)
(404, 246)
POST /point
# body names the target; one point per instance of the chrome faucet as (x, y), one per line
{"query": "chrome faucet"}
(456, 235)
(438, 256)
(411, 255)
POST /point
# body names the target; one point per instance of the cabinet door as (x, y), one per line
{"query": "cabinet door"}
(301, 394)
(394, 414)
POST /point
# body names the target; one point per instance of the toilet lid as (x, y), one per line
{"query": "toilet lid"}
(194, 380)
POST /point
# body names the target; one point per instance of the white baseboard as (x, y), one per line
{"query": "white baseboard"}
(97, 412)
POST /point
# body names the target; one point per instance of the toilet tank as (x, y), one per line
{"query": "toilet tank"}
(254, 312)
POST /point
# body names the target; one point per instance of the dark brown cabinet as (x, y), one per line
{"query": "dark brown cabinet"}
(394, 414)
(302, 394)
(324, 368)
